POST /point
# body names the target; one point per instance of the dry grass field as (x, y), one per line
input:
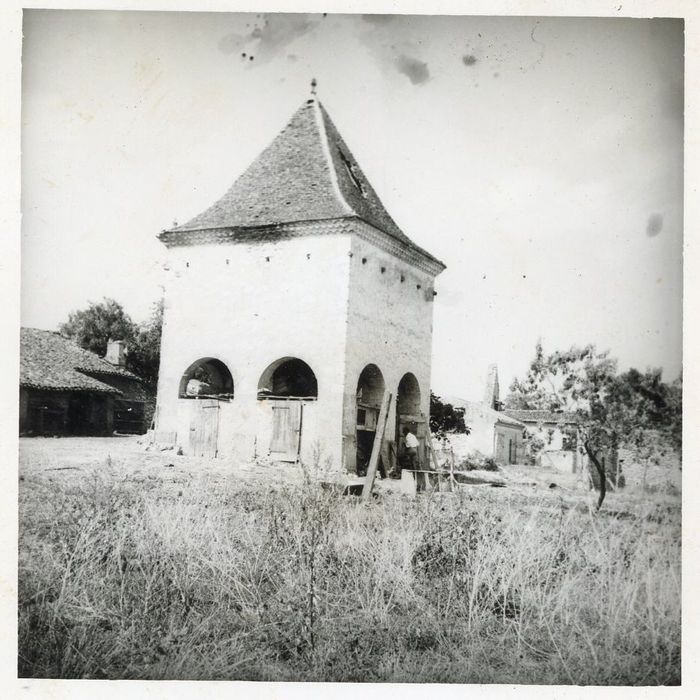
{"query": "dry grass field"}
(145, 565)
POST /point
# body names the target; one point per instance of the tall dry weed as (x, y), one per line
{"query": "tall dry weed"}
(215, 579)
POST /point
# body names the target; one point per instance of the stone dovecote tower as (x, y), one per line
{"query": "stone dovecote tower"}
(291, 305)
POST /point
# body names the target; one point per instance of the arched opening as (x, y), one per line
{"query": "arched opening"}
(370, 392)
(288, 377)
(409, 417)
(370, 387)
(206, 378)
(287, 384)
(408, 395)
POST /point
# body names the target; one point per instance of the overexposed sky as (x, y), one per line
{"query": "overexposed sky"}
(539, 158)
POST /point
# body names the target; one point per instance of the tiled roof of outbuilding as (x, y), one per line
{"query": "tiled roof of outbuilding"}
(50, 361)
(538, 416)
(306, 174)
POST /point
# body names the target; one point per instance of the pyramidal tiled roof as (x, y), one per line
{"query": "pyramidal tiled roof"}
(306, 174)
(50, 361)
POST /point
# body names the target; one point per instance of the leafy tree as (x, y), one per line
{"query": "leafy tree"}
(629, 410)
(525, 395)
(143, 357)
(444, 417)
(534, 444)
(674, 401)
(657, 415)
(93, 327)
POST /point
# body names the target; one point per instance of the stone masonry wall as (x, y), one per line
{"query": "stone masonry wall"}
(389, 324)
(249, 304)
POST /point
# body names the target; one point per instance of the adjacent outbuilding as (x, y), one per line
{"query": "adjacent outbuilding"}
(556, 436)
(66, 390)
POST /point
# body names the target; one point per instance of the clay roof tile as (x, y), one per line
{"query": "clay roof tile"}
(306, 174)
(50, 361)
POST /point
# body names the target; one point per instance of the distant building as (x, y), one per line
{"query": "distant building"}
(66, 390)
(493, 433)
(293, 303)
(558, 433)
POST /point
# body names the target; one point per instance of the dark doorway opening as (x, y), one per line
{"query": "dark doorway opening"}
(370, 392)
(408, 415)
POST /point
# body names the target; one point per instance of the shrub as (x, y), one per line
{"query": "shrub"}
(477, 461)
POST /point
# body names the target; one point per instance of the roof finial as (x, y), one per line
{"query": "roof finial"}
(313, 86)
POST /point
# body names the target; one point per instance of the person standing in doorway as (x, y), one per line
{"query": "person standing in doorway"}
(411, 442)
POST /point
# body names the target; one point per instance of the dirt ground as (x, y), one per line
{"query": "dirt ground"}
(131, 458)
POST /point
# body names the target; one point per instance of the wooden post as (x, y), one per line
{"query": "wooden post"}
(393, 458)
(384, 456)
(432, 453)
(376, 448)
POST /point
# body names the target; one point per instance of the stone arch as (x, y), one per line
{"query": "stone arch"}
(288, 377)
(408, 416)
(369, 394)
(371, 386)
(408, 396)
(206, 377)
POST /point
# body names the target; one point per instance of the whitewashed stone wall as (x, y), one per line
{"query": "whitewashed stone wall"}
(389, 324)
(249, 305)
(311, 297)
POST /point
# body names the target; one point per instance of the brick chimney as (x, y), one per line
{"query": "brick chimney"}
(116, 353)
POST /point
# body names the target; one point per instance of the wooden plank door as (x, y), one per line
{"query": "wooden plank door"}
(204, 428)
(286, 430)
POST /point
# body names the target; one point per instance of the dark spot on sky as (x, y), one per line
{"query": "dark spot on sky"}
(293, 58)
(243, 55)
(654, 224)
(495, 75)
(416, 71)
(272, 33)
(469, 59)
